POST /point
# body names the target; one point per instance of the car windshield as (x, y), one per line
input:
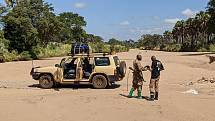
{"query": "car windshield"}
(62, 61)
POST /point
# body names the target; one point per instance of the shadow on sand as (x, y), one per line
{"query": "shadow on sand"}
(74, 86)
(144, 97)
(198, 54)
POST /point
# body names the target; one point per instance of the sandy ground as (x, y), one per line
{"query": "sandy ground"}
(21, 100)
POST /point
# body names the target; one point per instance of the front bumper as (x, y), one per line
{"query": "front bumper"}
(35, 75)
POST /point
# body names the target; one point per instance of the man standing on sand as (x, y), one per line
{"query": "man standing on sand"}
(137, 77)
(156, 67)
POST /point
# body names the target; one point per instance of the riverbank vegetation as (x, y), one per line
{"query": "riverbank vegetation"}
(193, 34)
(31, 30)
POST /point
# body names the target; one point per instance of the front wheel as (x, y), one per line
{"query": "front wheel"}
(46, 82)
(99, 82)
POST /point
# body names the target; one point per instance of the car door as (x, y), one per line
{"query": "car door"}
(79, 70)
(59, 74)
(70, 63)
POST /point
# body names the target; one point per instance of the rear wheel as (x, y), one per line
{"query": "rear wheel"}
(46, 81)
(99, 82)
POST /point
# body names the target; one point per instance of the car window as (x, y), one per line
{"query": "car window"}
(116, 60)
(72, 61)
(102, 61)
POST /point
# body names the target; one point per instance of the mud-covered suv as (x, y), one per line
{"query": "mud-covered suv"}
(100, 70)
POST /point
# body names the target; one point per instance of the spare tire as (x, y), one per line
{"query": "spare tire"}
(122, 69)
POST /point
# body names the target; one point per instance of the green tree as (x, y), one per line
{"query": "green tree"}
(168, 37)
(43, 19)
(3, 43)
(31, 23)
(178, 31)
(202, 19)
(114, 41)
(150, 41)
(73, 26)
(211, 22)
(10, 2)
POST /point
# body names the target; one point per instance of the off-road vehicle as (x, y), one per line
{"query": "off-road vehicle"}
(98, 69)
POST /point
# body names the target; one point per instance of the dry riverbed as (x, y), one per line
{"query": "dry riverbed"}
(184, 96)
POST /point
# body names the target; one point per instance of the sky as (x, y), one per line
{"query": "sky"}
(129, 19)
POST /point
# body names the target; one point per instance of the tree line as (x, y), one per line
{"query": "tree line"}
(193, 34)
(28, 23)
(31, 29)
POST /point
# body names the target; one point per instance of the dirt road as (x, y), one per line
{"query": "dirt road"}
(21, 100)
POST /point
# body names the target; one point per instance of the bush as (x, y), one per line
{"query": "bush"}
(51, 50)
(120, 48)
(212, 48)
(100, 47)
(172, 48)
(162, 47)
(54, 50)
(25, 56)
(202, 49)
(11, 56)
(103, 47)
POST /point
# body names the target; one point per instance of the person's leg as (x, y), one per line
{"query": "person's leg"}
(151, 88)
(156, 89)
(139, 92)
(134, 87)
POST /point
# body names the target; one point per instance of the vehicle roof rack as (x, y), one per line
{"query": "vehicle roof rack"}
(84, 50)
(89, 55)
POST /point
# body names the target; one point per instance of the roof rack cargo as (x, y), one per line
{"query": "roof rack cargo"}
(89, 55)
(80, 48)
(83, 49)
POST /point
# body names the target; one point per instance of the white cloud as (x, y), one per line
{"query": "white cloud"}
(189, 13)
(149, 30)
(80, 5)
(156, 17)
(171, 21)
(124, 23)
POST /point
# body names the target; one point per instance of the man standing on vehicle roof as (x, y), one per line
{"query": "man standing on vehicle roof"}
(156, 67)
(137, 77)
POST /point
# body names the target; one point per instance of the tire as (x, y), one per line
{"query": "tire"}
(46, 81)
(99, 82)
(122, 69)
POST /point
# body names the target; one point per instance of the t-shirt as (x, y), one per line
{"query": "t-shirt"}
(156, 66)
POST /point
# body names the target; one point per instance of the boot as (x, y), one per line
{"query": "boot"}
(131, 93)
(151, 96)
(156, 95)
(139, 94)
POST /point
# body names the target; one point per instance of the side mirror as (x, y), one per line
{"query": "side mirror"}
(57, 65)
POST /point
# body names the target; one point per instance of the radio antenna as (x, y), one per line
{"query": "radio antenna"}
(32, 63)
